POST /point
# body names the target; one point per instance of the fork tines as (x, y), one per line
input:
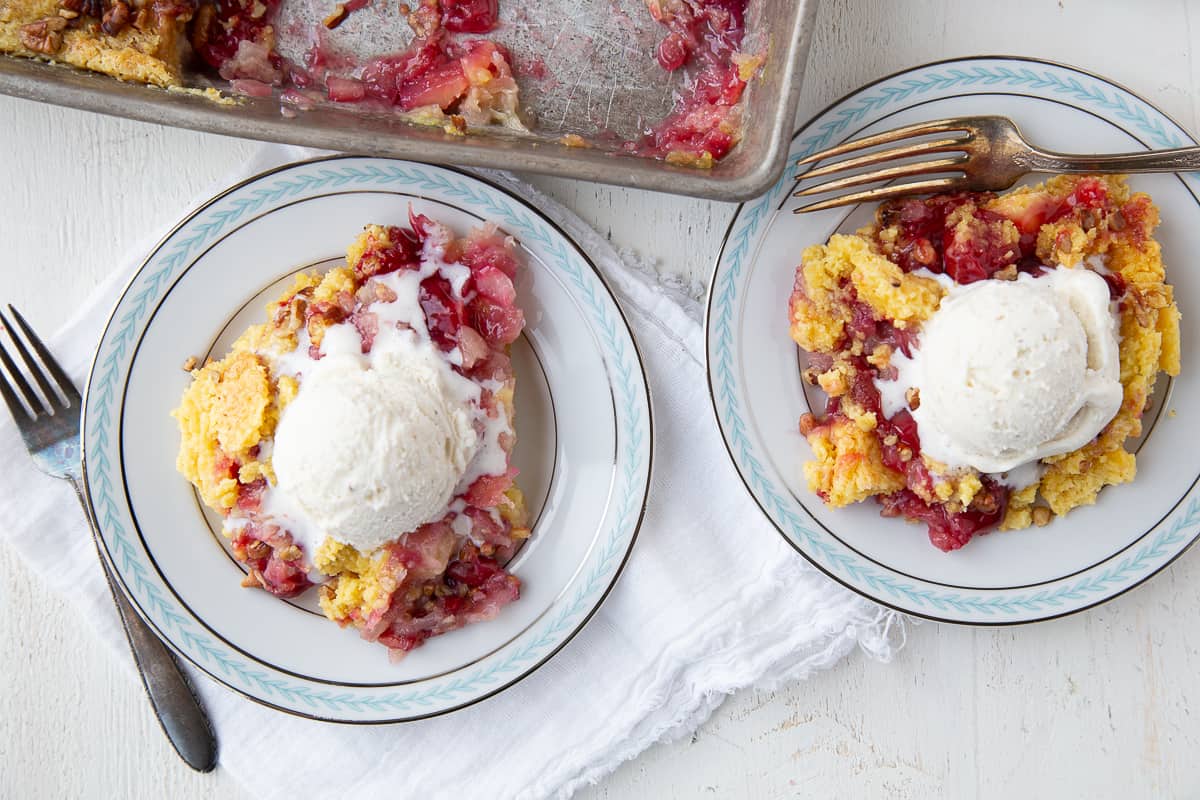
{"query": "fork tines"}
(917, 149)
(14, 381)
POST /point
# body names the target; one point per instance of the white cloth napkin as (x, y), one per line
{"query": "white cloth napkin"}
(712, 601)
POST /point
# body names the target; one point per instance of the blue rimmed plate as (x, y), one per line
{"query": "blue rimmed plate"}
(1085, 558)
(583, 421)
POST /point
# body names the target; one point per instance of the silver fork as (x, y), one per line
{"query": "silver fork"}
(49, 424)
(991, 155)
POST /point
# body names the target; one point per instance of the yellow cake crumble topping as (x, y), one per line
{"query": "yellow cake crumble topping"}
(446, 572)
(858, 298)
(134, 42)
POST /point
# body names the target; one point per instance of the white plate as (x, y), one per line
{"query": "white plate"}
(1085, 558)
(583, 421)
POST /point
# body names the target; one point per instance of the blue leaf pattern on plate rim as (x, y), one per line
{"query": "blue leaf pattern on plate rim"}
(372, 704)
(834, 125)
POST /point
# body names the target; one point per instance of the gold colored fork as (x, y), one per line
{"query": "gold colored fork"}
(990, 154)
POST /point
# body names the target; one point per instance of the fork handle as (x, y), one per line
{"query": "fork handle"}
(174, 700)
(1180, 159)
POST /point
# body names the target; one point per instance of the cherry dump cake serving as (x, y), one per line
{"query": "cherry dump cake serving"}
(986, 358)
(360, 441)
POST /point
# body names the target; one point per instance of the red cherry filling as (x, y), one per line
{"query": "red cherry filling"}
(471, 588)
(218, 36)
(261, 549)
(872, 331)
(444, 313)
(473, 571)
(978, 256)
(249, 496)
(705, 34)
(1090, 194)
(498, 323)
(237, 38)
(403, 252)
(928, 239)
(947, 531)
(673, 51)
(1116, 285)
(434, 71)
(440, 86)
(900, 450)
(488, 490)
(428, 73)
(470, 16)
(383, 77)
(494, 284)
(345, 90)
(488, 248)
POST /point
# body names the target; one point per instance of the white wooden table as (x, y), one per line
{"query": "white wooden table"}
(1097, 705)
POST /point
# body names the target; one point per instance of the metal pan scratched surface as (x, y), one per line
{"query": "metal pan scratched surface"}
(585, 68)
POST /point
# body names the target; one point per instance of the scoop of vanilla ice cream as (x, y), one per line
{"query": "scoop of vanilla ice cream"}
(1010, 372)
(373, 449)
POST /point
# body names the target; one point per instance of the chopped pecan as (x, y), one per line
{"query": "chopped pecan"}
(44, 36)
(337, 17)
(257, 549)
(322, 314)
(985, 502)
(808, 423)
(924, 253)
(169, 10)
(92, 8)
(383, 292)
(425, 19)
(290, 553)
(206, 14)
(1146, 303)
(116, 18)
(288, 318)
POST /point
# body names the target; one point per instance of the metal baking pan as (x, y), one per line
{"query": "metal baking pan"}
(591, 79)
